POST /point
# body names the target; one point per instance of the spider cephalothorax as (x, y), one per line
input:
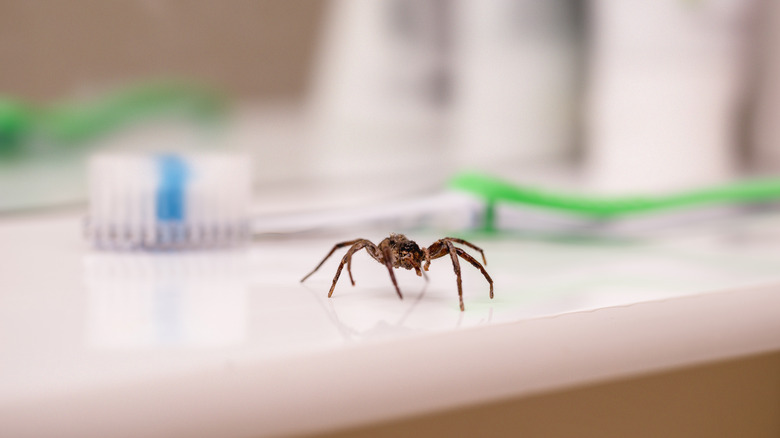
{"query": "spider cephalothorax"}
(397, 251)
(406, 253)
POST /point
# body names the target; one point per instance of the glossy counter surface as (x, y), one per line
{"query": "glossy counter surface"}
(231, 344)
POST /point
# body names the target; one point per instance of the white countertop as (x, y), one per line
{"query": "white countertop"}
(231, 344)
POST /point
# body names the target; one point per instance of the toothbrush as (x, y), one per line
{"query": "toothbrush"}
(168, 201)
(189, 202)
(496, 191)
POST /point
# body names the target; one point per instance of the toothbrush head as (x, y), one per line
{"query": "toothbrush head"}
(168, 201)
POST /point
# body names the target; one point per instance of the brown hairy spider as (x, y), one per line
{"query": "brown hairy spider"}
(397, 251)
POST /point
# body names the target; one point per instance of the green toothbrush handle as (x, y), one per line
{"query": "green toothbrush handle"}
(496, 190)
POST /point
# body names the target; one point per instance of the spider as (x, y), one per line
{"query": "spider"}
(397, 251)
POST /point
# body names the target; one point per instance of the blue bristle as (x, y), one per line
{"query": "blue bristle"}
(171, 191)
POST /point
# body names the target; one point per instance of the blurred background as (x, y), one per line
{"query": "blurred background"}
(368, 110)
(362, 101)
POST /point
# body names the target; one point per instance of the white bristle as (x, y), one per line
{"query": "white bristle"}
(168, 201)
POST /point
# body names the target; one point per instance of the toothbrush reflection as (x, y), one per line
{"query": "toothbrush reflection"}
(150, 300)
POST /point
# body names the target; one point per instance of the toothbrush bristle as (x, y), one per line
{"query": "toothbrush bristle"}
(168, 201)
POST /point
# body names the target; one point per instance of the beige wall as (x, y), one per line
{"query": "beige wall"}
(252, 48)
(732, 399)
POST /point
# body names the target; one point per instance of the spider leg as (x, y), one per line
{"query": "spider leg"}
(466, 256)
(361, 243)
(335, 247)
(370, 248)
(469, 244)
(445, 246)
(421, 273)
(349, 268)
(387, 259)
(437, 249)
(456, 268)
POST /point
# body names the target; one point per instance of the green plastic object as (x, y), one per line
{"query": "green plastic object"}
(16, 122)
(79, 122)
(495, 190)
